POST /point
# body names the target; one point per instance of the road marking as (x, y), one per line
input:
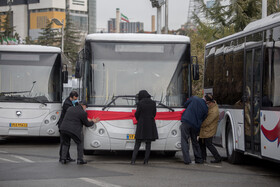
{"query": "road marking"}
(7, 160)
(214, 166)
(99, 183)
(22, 158)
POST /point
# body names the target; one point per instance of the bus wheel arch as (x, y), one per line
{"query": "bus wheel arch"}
(233, 156)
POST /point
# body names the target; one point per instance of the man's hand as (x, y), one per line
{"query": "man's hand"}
(96, 120)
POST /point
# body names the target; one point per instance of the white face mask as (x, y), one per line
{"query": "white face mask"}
(74, 102)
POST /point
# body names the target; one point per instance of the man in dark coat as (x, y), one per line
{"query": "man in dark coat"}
(192, 118)
(146, 130)
(72, 127)
(69, 101)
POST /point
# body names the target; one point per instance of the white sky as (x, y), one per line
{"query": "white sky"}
(141, 11)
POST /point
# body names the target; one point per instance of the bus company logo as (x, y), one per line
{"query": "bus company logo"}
(18, 113)
(273, 134)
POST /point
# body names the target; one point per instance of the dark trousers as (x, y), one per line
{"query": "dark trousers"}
(207, 142)
(187, 132)
(60, 150)
(136, 149)
(66, 138)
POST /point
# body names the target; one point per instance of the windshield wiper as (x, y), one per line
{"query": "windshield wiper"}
(4, 93)
(161, 104)
(34, 99)
(115, 98)
(134, 96)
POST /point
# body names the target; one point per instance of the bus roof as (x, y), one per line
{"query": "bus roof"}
(254, 26)
(29, 48)
(138, 37)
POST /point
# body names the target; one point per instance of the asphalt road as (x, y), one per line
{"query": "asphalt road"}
(33, 162)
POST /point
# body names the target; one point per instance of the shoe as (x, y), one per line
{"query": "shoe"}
(187, 163)
(145, 162)
(62, 161)
(132, 162)
(81, 162)
(216, 161)
(199, 162)
(70, 160)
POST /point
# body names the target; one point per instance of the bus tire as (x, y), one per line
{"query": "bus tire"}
(233, 156)
(88, 152)
(169, 153)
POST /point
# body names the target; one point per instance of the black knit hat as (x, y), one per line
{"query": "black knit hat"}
(209, 97)
(143, 94)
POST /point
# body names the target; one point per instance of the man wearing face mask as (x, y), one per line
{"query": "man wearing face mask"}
(72, 100)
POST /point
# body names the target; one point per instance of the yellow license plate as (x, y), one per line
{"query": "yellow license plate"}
(130, 136)
(18, 125)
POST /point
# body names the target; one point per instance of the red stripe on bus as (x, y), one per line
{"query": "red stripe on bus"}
(113, 115)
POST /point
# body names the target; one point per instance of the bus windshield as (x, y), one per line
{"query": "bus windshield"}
(126, 68)
(30, 77)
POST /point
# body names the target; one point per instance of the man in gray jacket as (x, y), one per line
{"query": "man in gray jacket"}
(72, 127)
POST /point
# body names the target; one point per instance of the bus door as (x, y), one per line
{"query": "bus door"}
(252, 94)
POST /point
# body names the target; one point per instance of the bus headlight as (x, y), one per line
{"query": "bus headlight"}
(174, 132)
(95, 143)
(93, 127)
(50, 131)
(53, 117)
(46, 121)
(101, 131)
(178, 145)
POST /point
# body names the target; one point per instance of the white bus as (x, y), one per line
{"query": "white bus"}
(115, 68)
(31, 80)
(243, 73)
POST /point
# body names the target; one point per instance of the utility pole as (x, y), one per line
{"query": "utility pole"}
(166, 17)
(159, 20)
(264, 8)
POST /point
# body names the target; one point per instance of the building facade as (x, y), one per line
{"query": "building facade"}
(92, 16)
(29, 17)
(131, 27)
(125, 27)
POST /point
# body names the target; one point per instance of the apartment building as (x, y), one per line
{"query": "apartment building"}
(30, 16)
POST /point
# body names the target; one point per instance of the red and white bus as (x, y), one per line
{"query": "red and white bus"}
(242, 71)
(115, 68)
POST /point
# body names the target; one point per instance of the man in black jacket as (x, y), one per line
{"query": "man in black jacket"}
(69, 101)
(72, 127)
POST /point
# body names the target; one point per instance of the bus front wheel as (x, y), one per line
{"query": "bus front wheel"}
(233, 156)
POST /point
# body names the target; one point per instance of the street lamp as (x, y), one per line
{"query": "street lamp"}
(157, 4)
(60, 23)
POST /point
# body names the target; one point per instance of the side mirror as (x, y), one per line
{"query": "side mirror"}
(78, 72)
(195, 68)
(78, 68)
(65, 75)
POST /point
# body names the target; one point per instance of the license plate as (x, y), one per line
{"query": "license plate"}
(130, 136)
(18, 125)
